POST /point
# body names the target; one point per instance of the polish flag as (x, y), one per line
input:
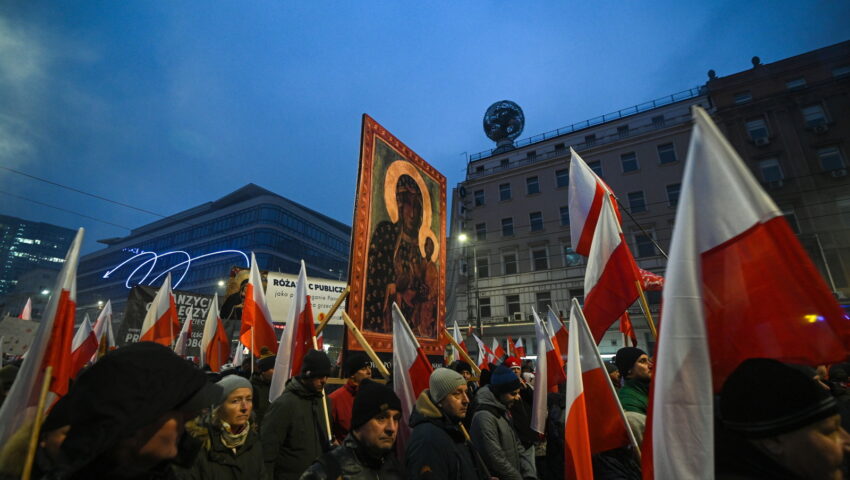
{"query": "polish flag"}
(458, 338)
(215, 346)
(103, 332)
(739, 286)
(558, 332)
(161, 324)
(555, 373)
(485, 355)
(26, 313)
(256, 330)
(512, 347)
(585, 194)
(51, 347)
(498, 351)
(411, 371)
(297, 337)
(239, 355)
(610, 278)
(627, 331)
(83, 346)
(650, 281)
(320, 341)
(520, 350)
(180, 346)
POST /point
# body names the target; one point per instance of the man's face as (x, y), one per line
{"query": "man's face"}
(518, 372)
(362, 374)
(615, 377)
(456, 403)
(641, 369)
(467, 375)
(378, 434)
(315, 384)
(814, 451)
(508, 399)
(267, 375)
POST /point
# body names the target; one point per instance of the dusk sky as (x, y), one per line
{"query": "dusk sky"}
(165, 105)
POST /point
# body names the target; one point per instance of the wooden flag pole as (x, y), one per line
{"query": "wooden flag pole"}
(324, 402)
(36, 426)
(645, 307)
(339, 300)
(463, 353)
(366, 347)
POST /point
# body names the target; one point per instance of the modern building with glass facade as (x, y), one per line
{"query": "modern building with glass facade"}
(203, 244)
(26, 245)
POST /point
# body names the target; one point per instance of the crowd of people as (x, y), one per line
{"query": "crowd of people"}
(143, 412)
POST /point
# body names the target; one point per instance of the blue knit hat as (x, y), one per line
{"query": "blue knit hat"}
(504, 380)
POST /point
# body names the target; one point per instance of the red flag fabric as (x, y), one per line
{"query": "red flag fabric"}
(740, 286)
(161, 324)
(558, 332)
(257, 330)
(26, 313)
(498, 351)
(629, 337)
(460, 340)
(215, 345)
(512, 348)
(550, 372)
(650, 281)
(555, 373)
(585, 195)
(520, 349)
(411, 371)
(297, 337)
(83, 346)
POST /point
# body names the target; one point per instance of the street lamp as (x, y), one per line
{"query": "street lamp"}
(463, 238)
(221, 283)
(45, 292)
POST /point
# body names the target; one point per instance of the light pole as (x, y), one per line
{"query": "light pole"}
(473, 275)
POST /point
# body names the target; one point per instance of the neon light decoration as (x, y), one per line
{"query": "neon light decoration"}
(153, 257)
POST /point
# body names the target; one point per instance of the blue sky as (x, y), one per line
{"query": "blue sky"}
(165, 105)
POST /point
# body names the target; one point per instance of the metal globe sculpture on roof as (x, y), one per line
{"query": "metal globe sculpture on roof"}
(503, 122)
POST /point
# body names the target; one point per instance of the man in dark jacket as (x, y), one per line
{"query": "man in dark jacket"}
(368, 451)
(261, 382)
(635, 369)
(358, 367)
(294, 431)
(521, 411)
(438, 448)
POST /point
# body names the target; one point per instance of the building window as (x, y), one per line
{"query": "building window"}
(536, 221)
(791, 218)
(484, 307)
(673, 194)
(539, 259)
(596, 166)
(509, 265)
(770, 170)
(590, 140)
(757, 129)
(560, 148)
(479, 168)
(504, 163)
(637, 202)
(481, 231)
(512, 304)
(565, 216)
(531, 156)
(505, 191)
(666, 153)
(578, 294)
(544, 299)
(813, 115)
(842, 71)
(571, 258)
(562, 177)
(532, 185)
(507, 227)
(482, 267)
(795, 83)
(644, 245)
(623, 131)
(629, 162)
(479, 197)
(830, 159)
(658, 122)
(743, 97)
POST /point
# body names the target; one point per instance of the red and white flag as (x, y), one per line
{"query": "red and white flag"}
(555, 373)
(103, 331)
(26, 313)
(83, 346)
(459, 339)
(411, 371)
(520, 349)
(627, 331)
(161, 324)
(610, 278)
(740, 286)
(585, 195)
(498, 351)
(650, 281)
(558, 332)
(239, 355)
(180, 346)
(257, 330)
(50, 347)
(512, 347)
(485, 355)
(215, 346)
(297, 337)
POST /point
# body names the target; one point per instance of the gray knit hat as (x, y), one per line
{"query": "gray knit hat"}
(231, 383)
(443, 382)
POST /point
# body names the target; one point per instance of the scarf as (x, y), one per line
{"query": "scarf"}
(233, 440)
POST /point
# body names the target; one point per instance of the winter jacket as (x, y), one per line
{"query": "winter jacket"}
(634, 395)
(343, 403)
(437, 448)
(521, 414)
(293, 431)
(261, 389)
(494, 435)
(351, 461)
(217, 462)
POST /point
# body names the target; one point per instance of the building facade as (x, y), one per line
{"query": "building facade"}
(35, 285)
(26, 245)
(199, 247)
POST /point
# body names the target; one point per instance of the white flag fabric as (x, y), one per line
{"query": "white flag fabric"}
(297, 337)
(26, 313)
(585, 194)
(539, 408)
(239, 355)
(411, 371)
(103, 326)
(161, 324)
(180, 346)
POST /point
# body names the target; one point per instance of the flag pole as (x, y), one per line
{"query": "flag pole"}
(36, 426)
(648, 235)
(366, 347)
(324, 402)
(333, 309)
(462, 353)
(645, 307)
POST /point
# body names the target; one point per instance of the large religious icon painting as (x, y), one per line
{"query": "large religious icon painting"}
(398, 252)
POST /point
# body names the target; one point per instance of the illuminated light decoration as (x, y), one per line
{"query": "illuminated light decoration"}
(814, 318)
(153, 257)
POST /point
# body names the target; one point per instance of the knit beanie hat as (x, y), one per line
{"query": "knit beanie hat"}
(512, 362)
(355, 362)
(626, 358)
(231, 383)
(316, 364)
(503, 380)
(266, 363)
(765, 397)
(371, 399)
(444, 381)
(460, 366)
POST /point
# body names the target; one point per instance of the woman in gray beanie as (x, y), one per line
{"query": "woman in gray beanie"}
(230, 444)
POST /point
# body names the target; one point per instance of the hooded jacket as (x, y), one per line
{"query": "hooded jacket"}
(293, 431)
(494, 435)
(437, 448)
(351, 461)
(217, 462)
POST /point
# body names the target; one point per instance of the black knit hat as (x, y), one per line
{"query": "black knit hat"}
(765, 397)
(355, 362)
(626, 358)
(266, 363)
(504, 380)
(460, 366)
(316, 364)
(371, 399)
